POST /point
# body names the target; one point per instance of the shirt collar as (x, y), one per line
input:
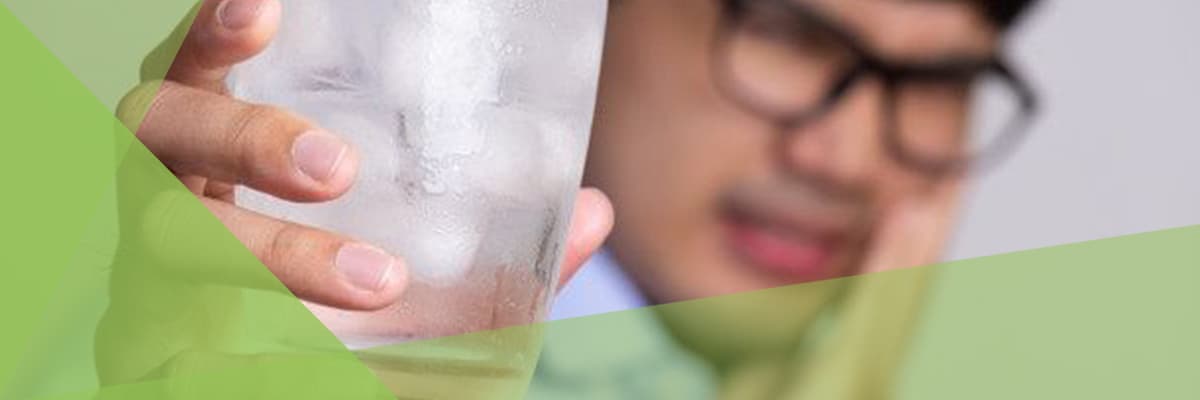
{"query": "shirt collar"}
(600, 287)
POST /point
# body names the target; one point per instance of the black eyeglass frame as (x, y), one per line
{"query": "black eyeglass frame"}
(892, 76)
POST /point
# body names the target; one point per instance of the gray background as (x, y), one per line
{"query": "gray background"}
(1115, 150)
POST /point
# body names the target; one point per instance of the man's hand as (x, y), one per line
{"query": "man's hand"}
(213, 142)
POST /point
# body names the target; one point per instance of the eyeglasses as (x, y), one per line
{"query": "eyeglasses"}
(790, 64)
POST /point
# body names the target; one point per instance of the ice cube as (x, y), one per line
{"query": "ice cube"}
(508, 161)
(443, 240)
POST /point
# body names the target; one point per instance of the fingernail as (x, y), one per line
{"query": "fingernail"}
(601, 223)
(318, 154)
(365, 267)
(237, 14)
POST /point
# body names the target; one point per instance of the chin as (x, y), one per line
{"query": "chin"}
(726, 307)
(742, 314)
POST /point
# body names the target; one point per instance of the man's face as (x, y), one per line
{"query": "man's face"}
(712, 199)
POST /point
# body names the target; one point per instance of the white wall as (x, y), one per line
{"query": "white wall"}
(1117, 150)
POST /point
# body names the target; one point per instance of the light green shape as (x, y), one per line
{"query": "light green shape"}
(1109, 319)
(55, 168)
(102, 43)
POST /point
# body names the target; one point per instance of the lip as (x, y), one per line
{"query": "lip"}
(785, 236)
(793, 253)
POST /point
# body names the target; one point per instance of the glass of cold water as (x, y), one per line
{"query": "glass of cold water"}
(472, 120)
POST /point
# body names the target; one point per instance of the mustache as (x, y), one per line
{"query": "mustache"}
(802, 202)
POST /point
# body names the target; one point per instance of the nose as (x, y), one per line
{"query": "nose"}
(843, 145)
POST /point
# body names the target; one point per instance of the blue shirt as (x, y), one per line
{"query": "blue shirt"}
(600, 287)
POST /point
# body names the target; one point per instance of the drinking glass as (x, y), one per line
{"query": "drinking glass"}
(472, 120)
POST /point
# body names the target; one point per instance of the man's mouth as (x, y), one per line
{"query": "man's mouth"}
(789, 238)
(799, 255)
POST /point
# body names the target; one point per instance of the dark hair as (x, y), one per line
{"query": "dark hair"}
(1004, 13)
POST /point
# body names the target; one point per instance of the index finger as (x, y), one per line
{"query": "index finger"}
(221, 34)
(915, 234)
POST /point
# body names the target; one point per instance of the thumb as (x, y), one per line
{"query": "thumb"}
(590, 225)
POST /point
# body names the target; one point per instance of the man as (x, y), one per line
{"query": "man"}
(755, 144)
(746, 144)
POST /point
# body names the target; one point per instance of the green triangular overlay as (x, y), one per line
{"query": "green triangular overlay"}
(162, 334)
(56, 167)
(1109, 319)
(1112, 319)
(70, 144)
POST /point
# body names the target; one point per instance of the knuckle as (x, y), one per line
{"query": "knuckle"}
(139, 102)
(251, 119)
(251, 126)
(283, 246)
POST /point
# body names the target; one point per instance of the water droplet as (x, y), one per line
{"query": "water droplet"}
(433, 186)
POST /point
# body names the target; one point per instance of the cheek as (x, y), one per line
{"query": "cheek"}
(661, 146)
(666, 173)
(666, 147)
